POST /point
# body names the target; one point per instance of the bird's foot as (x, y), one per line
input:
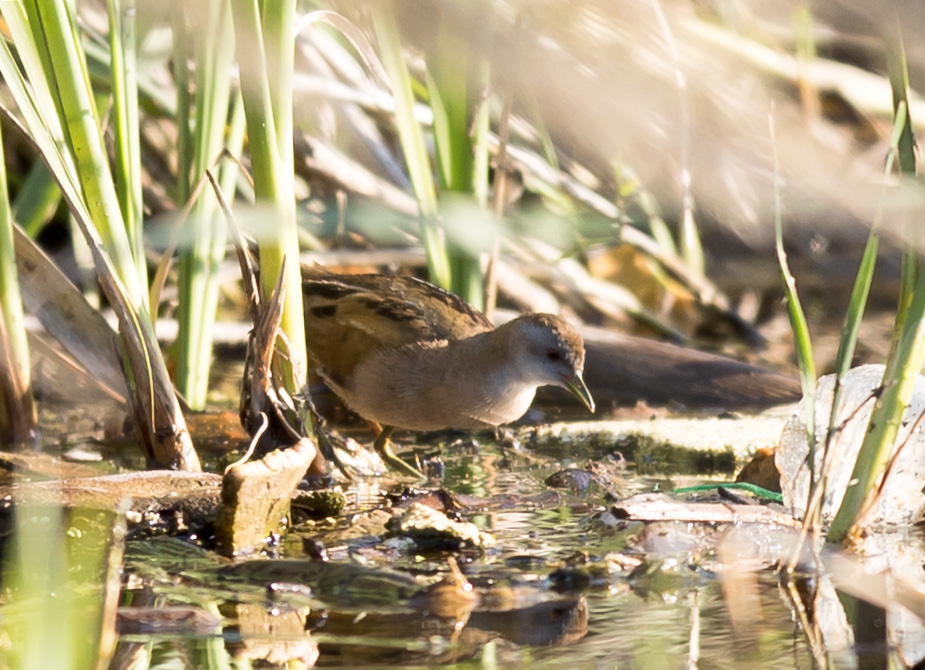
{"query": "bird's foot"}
(393, 462)
(396, 464)
(329, 451)
(325, 441)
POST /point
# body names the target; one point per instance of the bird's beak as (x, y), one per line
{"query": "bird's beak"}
(576, 385)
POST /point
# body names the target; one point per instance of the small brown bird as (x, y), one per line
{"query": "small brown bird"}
(405, 354)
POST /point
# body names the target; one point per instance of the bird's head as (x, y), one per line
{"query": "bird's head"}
(549, 351)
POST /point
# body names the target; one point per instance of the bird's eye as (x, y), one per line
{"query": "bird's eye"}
(553, 354)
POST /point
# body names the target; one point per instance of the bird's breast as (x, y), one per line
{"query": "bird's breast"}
(430, 388)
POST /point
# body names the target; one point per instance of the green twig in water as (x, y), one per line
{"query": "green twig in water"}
(742, 486)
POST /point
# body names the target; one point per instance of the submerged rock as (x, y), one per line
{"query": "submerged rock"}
(433, 530)
(902, 499)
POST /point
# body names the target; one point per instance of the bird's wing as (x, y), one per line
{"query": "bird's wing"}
(449, 316)
(347, 317)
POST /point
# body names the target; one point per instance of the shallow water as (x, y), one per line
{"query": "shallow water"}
(685, 629)
(672, 618)
(559, 587)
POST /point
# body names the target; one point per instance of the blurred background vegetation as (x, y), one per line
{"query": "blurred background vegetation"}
(610, 161)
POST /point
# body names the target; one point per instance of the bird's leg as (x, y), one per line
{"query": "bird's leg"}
(325, 444)
(382, 445)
